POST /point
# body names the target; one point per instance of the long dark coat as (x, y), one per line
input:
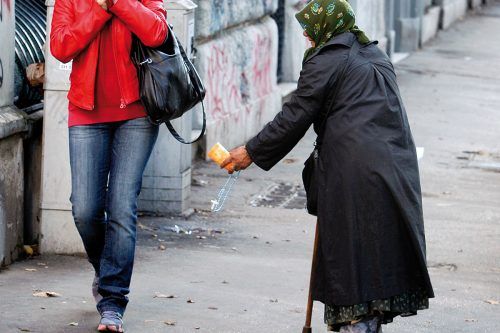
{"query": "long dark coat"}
(371, 230)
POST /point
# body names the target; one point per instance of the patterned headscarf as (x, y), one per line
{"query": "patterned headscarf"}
(325, 19)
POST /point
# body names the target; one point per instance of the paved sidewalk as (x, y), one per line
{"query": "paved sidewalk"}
(246, 269)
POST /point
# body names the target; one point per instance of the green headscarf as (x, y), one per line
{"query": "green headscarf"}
(325, 19)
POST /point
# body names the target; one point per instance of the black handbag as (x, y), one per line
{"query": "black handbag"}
(168, 81)
(311, 167)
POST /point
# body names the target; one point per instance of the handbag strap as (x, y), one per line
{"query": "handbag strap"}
(169, 125)
(354, 49)
(179, 138)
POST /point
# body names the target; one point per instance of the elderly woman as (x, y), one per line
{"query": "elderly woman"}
(371, 255)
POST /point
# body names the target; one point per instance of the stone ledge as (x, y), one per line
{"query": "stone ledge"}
(430, 24)
(12, 121)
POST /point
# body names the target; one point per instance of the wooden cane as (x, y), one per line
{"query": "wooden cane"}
(307, 327)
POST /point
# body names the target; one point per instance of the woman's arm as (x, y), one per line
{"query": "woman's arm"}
(69, 34)
(146, 19)
(282, 134)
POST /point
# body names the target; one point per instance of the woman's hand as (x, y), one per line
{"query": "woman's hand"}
(103, 4)
(239, 158)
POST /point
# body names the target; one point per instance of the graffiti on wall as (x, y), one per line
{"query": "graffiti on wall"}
(239, 70)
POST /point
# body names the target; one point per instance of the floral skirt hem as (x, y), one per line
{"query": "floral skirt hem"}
(404, 305)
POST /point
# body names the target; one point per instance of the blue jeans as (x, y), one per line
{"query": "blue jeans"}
(107, 164)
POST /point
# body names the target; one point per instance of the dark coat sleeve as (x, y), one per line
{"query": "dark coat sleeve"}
(279, 136)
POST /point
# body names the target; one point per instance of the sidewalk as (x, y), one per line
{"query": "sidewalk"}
(247, 268)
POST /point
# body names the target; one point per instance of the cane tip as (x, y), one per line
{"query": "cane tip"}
(307, 329)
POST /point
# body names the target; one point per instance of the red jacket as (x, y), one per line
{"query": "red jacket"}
(75, 35)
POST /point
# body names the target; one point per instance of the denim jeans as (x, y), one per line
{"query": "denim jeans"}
(107, 164)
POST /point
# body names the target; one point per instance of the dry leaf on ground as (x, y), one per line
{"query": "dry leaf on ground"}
(190, 301)
(73, 324)
(170, 323)
(492, 302)
(30, 269)
(158, 295)
(46, 294)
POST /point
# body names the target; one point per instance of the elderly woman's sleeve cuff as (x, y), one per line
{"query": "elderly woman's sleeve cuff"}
(251, 148)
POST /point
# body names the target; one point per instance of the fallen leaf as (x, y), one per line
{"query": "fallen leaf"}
(41, 264)
(197, 327)
(24, 330)
(162, 247)
(225, 282)
(46, 294)
(158, 295)
(213, 308)
(470, 320)
(73, 323)
(170, 323)
(30, 269)
(273, 300)
(492, 302)
(190, 301)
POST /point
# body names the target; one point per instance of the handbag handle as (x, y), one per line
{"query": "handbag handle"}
(179, 138)
(354, 49)
(169, 125)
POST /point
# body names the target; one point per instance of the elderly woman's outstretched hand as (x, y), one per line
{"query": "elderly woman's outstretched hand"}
(239, 159)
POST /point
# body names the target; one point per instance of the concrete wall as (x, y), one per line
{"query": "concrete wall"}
(213, 16)
(58, 231)
(239, 71)
(294, 44)
(11, 144)
(7, 26)
(452, 10)
(370, 17)
(430, 23)
(11, 198)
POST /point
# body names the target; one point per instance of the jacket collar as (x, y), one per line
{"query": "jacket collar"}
(346, 39)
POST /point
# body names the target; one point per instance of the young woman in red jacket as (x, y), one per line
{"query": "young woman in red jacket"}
(110, 138)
